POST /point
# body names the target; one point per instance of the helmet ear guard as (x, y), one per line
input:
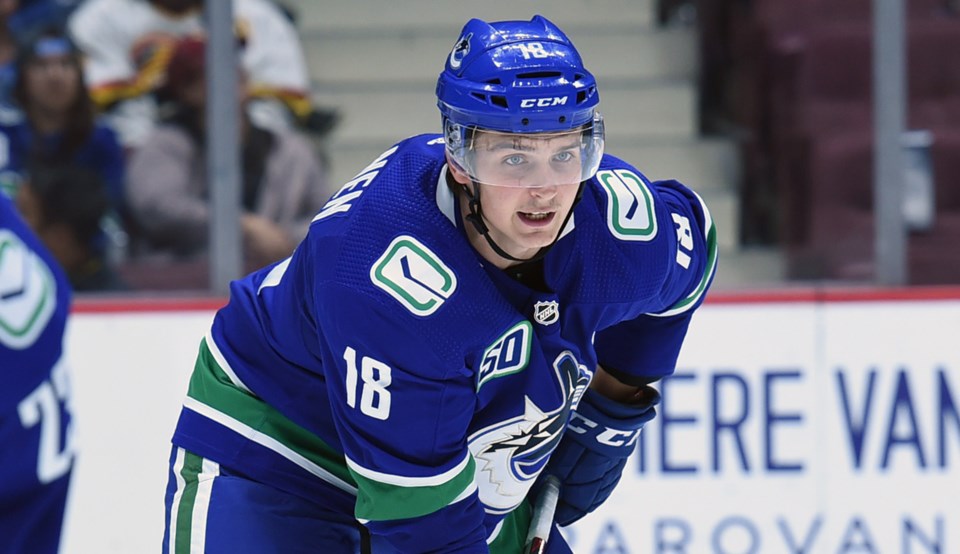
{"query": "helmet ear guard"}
(457, 144)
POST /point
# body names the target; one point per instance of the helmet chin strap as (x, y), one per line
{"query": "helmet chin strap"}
(475, 217)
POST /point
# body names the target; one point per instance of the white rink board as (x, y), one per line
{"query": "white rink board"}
(788, 479)
(779, 473)
(130, 374)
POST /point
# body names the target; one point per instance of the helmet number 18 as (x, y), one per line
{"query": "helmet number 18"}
(533, 50)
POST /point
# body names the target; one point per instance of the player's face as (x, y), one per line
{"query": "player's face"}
(522, 219)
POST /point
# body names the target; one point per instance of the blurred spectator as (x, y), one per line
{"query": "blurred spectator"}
(8, 54)
(129, 42)
(64, 206)
(20, 19)
(283, 185)
(31, 16)
(58, 124)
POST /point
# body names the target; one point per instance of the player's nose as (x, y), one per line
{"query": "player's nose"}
(544, 191)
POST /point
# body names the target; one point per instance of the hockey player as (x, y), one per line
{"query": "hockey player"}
(36, 456)
(473, 312)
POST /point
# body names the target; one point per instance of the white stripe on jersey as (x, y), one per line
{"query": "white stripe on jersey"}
(403, 481)
(222, 362)
(177, 497)
(201, 505)
(267, 442)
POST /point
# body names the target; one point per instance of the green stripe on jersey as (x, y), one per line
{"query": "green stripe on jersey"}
(513, 532)
(211, 386)
(192, 466)
(377, 500)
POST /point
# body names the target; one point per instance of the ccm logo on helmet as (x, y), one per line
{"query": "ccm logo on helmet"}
(543, 102)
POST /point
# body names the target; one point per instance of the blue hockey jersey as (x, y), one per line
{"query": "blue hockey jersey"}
(36, 430)
(34, 303)
(386, 370)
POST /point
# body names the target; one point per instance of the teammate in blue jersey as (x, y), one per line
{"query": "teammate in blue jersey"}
(36, 441)
(473, 312)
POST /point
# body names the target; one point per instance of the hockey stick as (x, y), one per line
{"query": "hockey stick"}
(542, 519)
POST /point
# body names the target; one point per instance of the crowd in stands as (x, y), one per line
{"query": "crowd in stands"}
(282, 185)
(103, 139)
(792, 82)
(111, 93)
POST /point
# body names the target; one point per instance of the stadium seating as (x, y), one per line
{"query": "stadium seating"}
(799, 92)
(833, 237)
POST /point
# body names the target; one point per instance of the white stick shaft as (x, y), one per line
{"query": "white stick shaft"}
(543, 512)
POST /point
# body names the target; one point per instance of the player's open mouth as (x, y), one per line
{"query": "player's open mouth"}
(537, 218)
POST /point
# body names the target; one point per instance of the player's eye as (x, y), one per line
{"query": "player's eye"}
(514, 160)
(566, 156)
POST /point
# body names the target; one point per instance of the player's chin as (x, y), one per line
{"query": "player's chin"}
(538, 238)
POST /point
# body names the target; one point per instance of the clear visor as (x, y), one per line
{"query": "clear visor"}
(527, 160)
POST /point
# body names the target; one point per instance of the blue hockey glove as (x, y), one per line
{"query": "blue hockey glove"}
(599, 438)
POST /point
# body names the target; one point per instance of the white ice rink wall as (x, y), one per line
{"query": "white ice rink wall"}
(802, 422)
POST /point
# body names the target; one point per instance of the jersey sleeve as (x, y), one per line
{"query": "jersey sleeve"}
(34, 303)
(402, 412)
(646, 348)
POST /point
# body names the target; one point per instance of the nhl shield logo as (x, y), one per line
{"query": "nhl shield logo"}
(546, 313)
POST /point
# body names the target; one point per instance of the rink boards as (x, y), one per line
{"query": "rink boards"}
(796, 422)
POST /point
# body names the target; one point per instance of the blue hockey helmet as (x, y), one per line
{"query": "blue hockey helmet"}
(518, 77)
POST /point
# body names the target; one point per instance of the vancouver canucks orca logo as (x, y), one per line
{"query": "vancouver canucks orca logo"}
(460, 51)
(510, 454)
